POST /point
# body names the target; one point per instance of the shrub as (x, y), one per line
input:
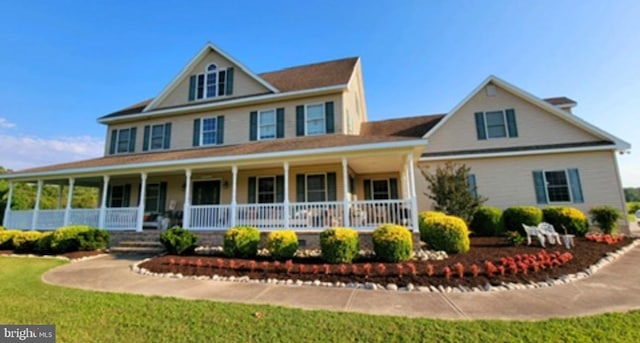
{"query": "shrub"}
(606, 217)
(514, 217)
(282, 244)
(570, 218)
(6, 239)
(339, 245)
(633, 207)
(487, 222)
(514, 238)
(26, 241)
(424, 216)
(43, 245)
(446, 233)
(78, 237)
(93, 239)
(241, 241)
(392, 243)
(179, 241)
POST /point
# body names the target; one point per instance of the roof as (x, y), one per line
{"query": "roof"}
(404, 127)
(561, 100)
(518, 149)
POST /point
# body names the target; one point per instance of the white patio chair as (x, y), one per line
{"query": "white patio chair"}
(548, 230)
(535, 232)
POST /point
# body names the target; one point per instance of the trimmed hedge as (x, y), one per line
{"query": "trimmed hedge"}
(442, 232)
(43, 246)
(570, 218)
(282, 244)
(6, 239)
(26, 241)
(339, 245)
(179, 241)
(606, 217)
(392, 243)
(78, 238)
(514, 217)
(241, 241)
(487, 222)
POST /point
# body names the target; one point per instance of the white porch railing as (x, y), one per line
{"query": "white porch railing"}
(84, 216)
(316, 215)
(123, 218)
(370, 214)
(261, 215)
(50, 219)
(210, 217)
(20, 219)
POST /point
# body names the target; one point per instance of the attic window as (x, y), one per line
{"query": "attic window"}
(213, 82)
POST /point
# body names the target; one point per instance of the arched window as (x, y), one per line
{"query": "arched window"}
(210, 83)
(212, 80)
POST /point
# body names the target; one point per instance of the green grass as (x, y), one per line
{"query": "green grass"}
(83, 316)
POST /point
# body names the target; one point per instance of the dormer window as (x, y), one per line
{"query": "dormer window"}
(213, 82)
(496, 124)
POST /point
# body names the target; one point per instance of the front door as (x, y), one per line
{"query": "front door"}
(206, 193)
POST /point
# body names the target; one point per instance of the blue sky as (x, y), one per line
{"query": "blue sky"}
(65, 63)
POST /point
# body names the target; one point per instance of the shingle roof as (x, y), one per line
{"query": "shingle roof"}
(402, 127)
(560, 100)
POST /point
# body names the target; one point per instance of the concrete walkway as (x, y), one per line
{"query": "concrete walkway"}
(613, 288)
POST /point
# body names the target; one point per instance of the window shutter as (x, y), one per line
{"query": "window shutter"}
(300, 189)
(114, 141)
(329, 120)
(192, 88)
(126, 195)
(331, 187)
(480, 129)
(196, 132)
(280, 188)
(352, 185)
(229, 90)
(511, 123)
(145, 136)
(162, 197)
(393, 188)
(541, 188)
(220, 130)
(132, 140)
(167, 135)
(471, 182)
(251, 196)
(576, 187)
(280, 123)
(253, 126)
(300, 120)
(367, 189)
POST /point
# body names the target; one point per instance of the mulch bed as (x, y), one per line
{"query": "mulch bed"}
(70, 255)
(585, 254)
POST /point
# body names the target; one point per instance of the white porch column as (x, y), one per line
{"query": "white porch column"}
(141, 196)
(412, 188)
(7, 210)
(36, 207)
(67, 210)
(345, 193)
(285, 166)
(103, 203)
(406, 194)
(186, 216)
(234, 195)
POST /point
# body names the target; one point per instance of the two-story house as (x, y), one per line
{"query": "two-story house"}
(223, 146)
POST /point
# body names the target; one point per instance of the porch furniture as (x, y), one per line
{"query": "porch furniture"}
(544, 231)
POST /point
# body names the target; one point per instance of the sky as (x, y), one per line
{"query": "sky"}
(64, 63)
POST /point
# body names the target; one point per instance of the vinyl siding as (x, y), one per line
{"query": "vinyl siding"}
(354, 93)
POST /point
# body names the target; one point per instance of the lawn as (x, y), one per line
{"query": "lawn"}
(83, 316)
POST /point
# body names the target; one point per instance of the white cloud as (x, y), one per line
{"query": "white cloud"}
(21, 152)
(5, 124)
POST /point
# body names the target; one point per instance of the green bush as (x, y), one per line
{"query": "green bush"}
(26, 241)
(339, 245)
(179, 241)
(78, 238)
(6, 239)
(487, 222)
(282, 244)
(422, 219)
(43, 245)
(241, 241)
(633, 207)
(392, 243)
(570, 218)
(606, 217)
(446, 233)
(514, 217)
(514, 238)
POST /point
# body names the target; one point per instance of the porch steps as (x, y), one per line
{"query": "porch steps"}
(137, 247)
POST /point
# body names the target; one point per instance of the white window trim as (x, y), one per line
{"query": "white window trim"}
(388, 180)
(324, 118)
(504, 119)
(206, 79)
(275, 124)
(275, 188)
(119, 131)
(306, 186)
(546, 186)
(150, 142)
(215, 118)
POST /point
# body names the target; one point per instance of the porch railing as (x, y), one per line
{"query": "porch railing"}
(210, 217)
(123, 218)
(373, 213)
(20, 219)
(84, 216)
(50, 219)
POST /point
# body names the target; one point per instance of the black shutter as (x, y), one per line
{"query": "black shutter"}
(229, 90)
(300, 191)
(329, 117)
(126, 195)
(393, 188)
(332, 194)
(163, 197)
(145, 140)
(132, 140)
(192, 88)
(300, 120)
(220, 132)
(251, 196)
(167, 135)
(352, 185)
(511, 123)
(253, 126)
(196, 132)
(367, 189)
(280, 123)
(114, 142)
(480, 129)
(280, 188)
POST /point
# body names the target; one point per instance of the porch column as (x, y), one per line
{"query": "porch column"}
(67, 211)
(345, 193)
(412, 188)
(186, 216)
(406, 194)
(36, 208)
(285, 166)
(234, 195)
(141, 196)
(7, 210)
(103, 203)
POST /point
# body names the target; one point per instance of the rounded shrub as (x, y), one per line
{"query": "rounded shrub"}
(606, 217)
(633, 207)
(78, 237)
(392, 243)
(6, 239)
(447, 233)
(568, 218)
(282, 244)
(339, 245)
(514, 217)
(241, 241)
(26, 241)
(43, 245)
(179, 241)
(422, 219)
(487, 222)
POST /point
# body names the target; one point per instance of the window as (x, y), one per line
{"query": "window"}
(557, 186)
(213, 82)
(124, 137)
(266, 190)
(122, 140)
(495, 122)
(157, 137)
(117, 196)
(152, 198)
(209, 131)
(380, 189)
(316, 188)
(267, 124)
(315, 119)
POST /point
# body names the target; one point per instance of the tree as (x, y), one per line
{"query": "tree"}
(451, 191)
(632, 194)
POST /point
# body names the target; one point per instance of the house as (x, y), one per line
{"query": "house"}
(223, 146)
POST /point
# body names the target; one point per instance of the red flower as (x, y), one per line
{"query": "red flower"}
(459, 269)
(400, 269)
(354, 269)
(199, 263)
(412, 268)
(302, 269)
(172, 261)
(367, 269)
(431, 269)
(447, 272)
(381, 268)
(326, 268)
(315, 269)
(501, 270)
(252, 265)
(288, 266)
(220, 263)
(474, 270)
(342, 269)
